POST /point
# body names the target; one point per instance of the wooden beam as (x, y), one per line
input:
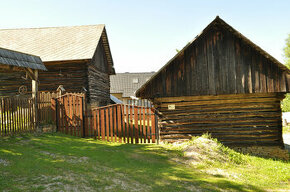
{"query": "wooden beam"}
(34, 99)
(30, 73)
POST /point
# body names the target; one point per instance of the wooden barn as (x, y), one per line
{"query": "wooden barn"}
(77, 57)
(221, 83)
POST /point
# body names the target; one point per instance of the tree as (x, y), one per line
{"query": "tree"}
(286, 101)
(287, 51)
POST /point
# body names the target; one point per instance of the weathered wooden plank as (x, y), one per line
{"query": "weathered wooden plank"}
(119, 114)
(136, 126)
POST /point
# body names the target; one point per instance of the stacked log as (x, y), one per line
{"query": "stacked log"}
(237, 119)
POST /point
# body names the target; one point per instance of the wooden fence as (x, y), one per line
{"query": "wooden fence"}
(16, 115)
(125, 124)
(45, 114)
(69, 113)
(116, 123)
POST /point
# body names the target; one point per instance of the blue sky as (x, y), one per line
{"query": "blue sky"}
(144, 34)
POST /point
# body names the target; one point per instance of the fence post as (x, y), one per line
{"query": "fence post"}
(54, 111)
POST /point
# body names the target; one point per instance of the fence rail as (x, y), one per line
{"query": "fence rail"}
(16, 115)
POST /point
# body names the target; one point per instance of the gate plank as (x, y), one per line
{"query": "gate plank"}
(115, 122)
(131, 123)
(107, 125)
(94, 113)
(111, 122)
(153, 124)
(136, 124)
(103, 123)
(98, 118)
(119, 123)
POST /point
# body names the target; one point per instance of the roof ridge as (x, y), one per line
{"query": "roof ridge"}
(71, 26)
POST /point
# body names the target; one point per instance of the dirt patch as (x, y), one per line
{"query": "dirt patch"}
(203, 149)
(67, 158)
(119, 181)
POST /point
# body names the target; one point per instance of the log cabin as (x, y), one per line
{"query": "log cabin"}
(223, 84)
(77, 57)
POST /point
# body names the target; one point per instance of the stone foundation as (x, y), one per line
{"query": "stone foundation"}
(274, 152)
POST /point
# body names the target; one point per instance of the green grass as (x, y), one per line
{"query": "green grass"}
(55, 162)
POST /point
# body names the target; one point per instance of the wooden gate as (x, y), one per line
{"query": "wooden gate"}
(125, 124)
(69, 113)
(116, 123)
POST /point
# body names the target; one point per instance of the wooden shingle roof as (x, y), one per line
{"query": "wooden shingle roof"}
(58, 43)
(21, 60)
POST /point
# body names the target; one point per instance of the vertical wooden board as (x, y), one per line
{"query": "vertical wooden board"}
(270, 84)
(142, 113)
(124, 118)
(119, 123)
(60, 102)
(193, 67)
(75, 115)
(28, 116)
(81, 103)
(9, 116)
(115, 122)
(148, 132)
(136, 124)
(98, 124)
(210, 66)
(250, 83)
(94, 118)
(131, 124)
(58, 108)
(276, 79)
(245, 66)
(21, 115)
(107, 125)
(128, 123)
(4, 117)
(240, 83)
(262, 76)
(103, 124)
(70, 114)
(66, 111)
(216, 63)
(283, 81)
(2, 120)
(111, 123)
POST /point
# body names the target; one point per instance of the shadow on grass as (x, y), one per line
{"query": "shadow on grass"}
(147, 166)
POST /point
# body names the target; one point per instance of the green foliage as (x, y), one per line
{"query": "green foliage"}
(287, 51)
(285, 104)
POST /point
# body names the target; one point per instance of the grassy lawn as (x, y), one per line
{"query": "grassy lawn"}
(55, 162)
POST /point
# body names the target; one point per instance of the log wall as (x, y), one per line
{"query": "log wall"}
(98, 79)
(239, 120)
(72, 75)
